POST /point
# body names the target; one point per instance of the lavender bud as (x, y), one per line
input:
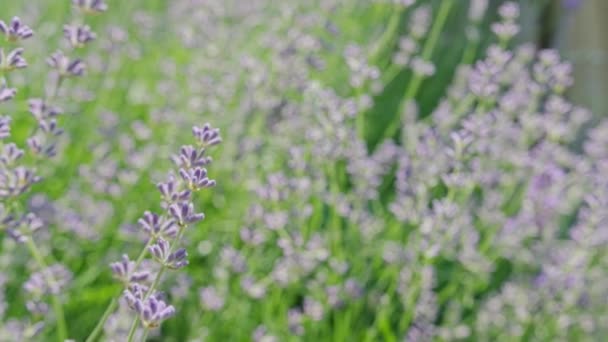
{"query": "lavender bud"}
(16, 30)
(65, 66)
(505, 31)
(196, 179)
(190, 157)
(152, 310)
(124, 271)
(17, 181)
(211, 299)
(5, 127)
(6, 93)
(161, 252)
(78, 36)
(41, 110)
(90, 6)
(170, 192)
(158, 226)
(13, 60)
(206, 135)
(184, 213)
(10, 154)
(509, 11)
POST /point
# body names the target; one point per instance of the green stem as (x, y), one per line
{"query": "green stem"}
(427, 53)
(93, 336)
(388, 36)
(470, 51)
(56, 301)
(114, 302)
(155, 283)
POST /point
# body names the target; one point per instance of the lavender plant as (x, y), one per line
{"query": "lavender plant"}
(394, 170)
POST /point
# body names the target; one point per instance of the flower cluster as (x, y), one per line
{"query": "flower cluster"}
(165, 231)
(18, 174)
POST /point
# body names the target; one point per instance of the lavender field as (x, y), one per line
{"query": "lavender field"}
(298, 170)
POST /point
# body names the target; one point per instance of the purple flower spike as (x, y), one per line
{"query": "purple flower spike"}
(206, 135)
(158, 226)
(16, 30)
(17, 181)
(41, 110)
(161, 251)
(171, 192)
(190, 157)
(124, 271)
(10, 154)
(184, 213)
(13, 60)
(78, 36)
(90, 6)
(196, 179)
(5, 127)
(6, 93)
(65, 66)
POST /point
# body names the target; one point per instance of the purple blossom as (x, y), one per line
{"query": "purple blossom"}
(5, 127)
(91, 6)
(65, 66)
(190, 157)
(152, 310)
(13, 60)
(206, 136)
(211, 299)
(16, 30)
(161, 251)
(16, 181)
(184, 213)
(124, 271)
(6, 93)
(42, 110)
(158, 226)
(171, 192)
(10, 154)
(196, 178)
(78, 36)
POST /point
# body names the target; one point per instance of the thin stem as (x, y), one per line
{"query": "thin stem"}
(392, 28)
(114, 302)
(56, 301)
(427, 53)
(155, 283)
(470, 51)
(145, 335)
(93, 336)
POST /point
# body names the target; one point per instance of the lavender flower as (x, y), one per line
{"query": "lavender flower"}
(90, 6)
(41, 110)
(184, 213)
(196, 179)
(16, 30)
(6, 93)
(152, 310)
(158, 226)
(78, 36)
(171, 192)
(5, 127)
(206, 136)
(13, 60)
(190, 157)
(65, 66)
(124, 271)
(162, 252)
